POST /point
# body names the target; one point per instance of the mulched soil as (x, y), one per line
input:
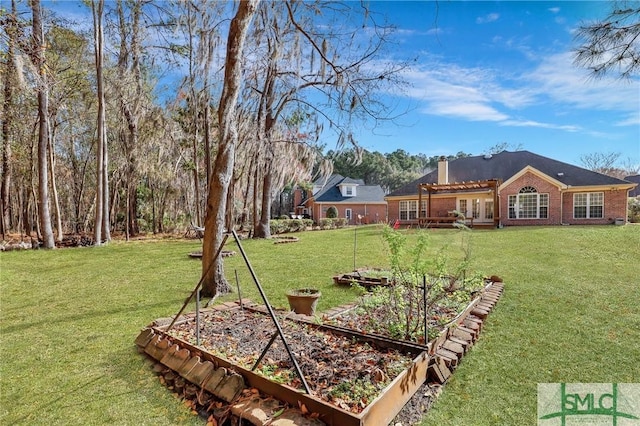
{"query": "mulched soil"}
(338, 370)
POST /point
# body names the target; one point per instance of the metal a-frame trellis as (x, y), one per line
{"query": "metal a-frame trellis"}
(196, 293)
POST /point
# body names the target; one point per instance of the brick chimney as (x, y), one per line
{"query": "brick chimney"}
(443, 170)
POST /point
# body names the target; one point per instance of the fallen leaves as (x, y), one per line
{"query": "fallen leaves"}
(327, 360)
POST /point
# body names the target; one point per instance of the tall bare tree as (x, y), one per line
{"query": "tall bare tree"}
(129, 89)
(10, 25)
(308, 71)
(44, 215)
(101, 223)
(215, 223)
(610, 164)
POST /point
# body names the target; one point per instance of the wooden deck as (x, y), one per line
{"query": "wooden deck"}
(443, 221)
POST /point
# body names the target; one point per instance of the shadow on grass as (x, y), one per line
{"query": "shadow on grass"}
(70, 394)
(175, 303)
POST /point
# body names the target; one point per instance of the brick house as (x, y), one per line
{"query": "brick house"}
(511, 188)
(355, 201)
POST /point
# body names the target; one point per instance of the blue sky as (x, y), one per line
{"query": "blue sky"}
(502, 72)
(495, 72)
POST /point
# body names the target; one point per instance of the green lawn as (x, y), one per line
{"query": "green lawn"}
(68, 318)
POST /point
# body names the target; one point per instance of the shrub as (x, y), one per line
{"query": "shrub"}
(326, 223)
(281, 226)
(340, 222)
(634, 210)
(296, 225)
(332, 212)
(277, 226)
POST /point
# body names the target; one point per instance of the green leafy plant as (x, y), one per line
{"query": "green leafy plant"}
(634, 210)
(332, 212)
(424, 287)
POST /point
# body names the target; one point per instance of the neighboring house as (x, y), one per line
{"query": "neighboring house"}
(511, 188)
(635, 192)
(355, 201)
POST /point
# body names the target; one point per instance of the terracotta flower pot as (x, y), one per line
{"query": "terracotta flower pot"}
(304, 301)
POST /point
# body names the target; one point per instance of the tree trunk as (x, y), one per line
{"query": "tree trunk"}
(213, 273)
(44, 215)
(106, 223)
(255, 214)
(129, 107)
(263, 229)
(7, 108)
(54, 188)
(100, 124)
(195, 114)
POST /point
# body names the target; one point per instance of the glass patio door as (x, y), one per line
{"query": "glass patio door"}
(480, 209)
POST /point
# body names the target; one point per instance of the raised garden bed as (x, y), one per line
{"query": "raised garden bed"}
(355, 378)
(364, 277)
(280, 239)
(223, 253)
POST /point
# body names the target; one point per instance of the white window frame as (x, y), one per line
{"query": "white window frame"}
(523, 201)
(488, 209)
(409, 208)
(591, 200)
(463, 206)
(348, 214)
(423, 209)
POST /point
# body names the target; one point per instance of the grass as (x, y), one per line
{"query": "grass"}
(69, 317)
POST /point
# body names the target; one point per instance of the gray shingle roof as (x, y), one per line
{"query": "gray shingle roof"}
(634, 179)
(506, 164)
(330, 193)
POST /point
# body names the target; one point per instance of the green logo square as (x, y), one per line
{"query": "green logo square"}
(593, 404)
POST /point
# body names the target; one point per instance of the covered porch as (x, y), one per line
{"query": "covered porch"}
(476, 200)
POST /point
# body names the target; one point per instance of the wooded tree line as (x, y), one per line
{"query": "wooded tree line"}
(390, 170)
(84, 119)
(92, 143)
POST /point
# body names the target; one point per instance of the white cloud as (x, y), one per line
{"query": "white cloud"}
(558, 79)
(554, 86)
(466, 93)
(632, 120)
(437, 31)
(491, 17)
(531, 123)
(471, 111)
(554, 9)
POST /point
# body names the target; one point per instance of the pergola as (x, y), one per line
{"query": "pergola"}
(433, 188)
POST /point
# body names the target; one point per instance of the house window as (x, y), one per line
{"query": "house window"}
(348, 190)
(423, 208)
(529, 204)
(408, 209)
(475, 204)
(348, 214)
(488, 209)
(463, 207)
(589, 205)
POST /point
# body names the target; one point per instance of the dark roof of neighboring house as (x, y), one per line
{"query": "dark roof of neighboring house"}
(635, 192)
(505, 165)
(330, 193)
